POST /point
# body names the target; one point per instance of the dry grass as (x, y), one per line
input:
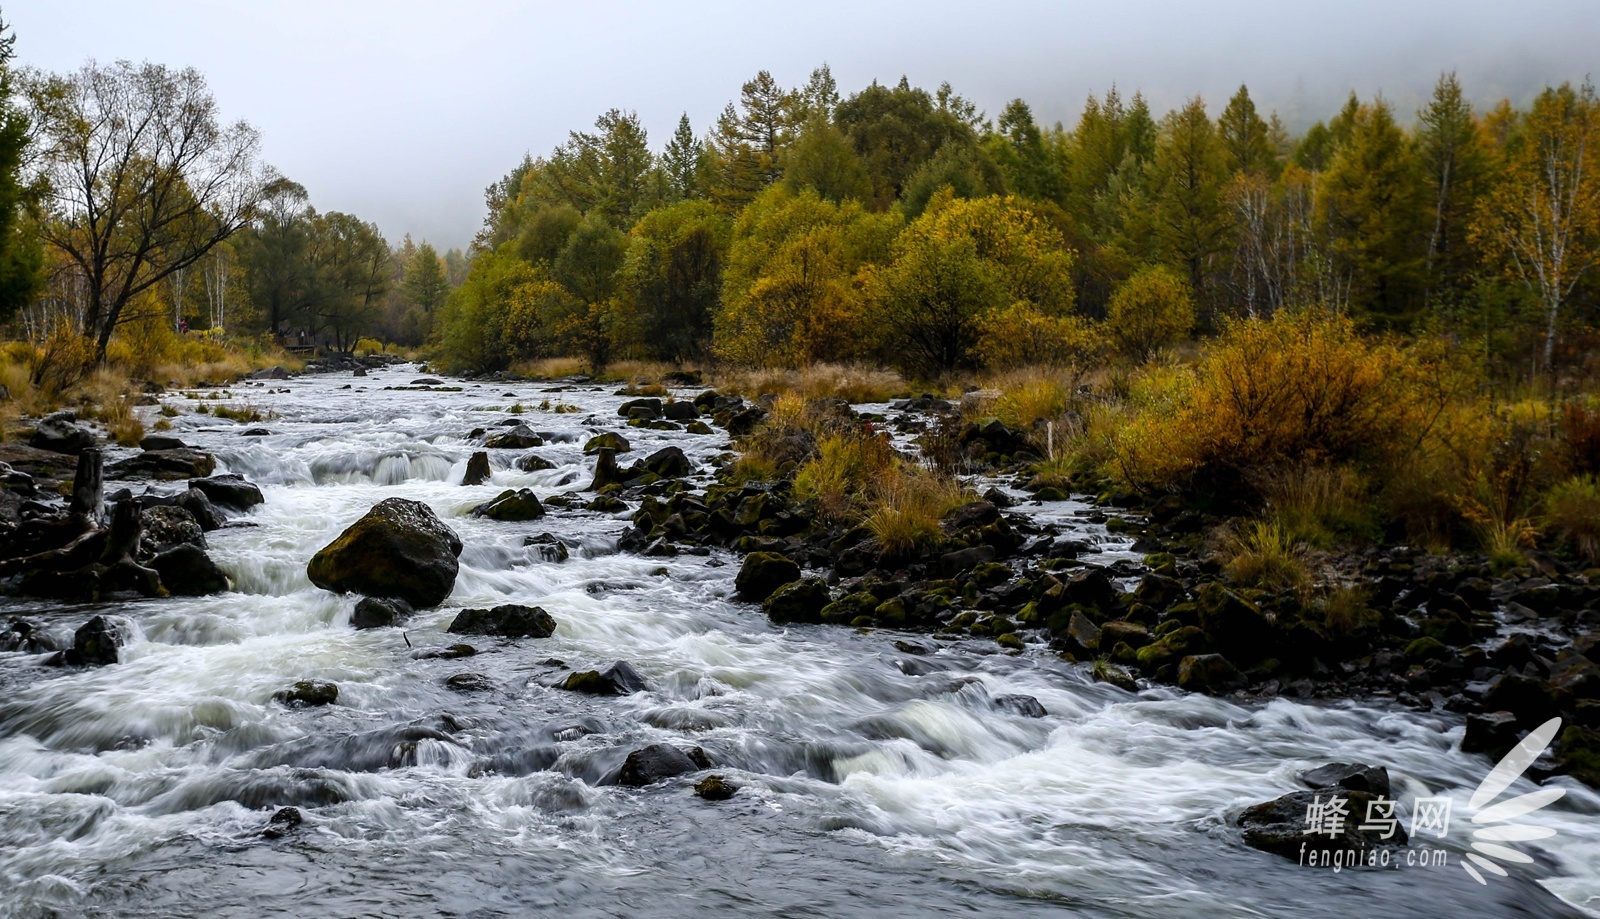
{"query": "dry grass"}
(1026, 396)
(852, 383)
(1316, 504)
(1265, 554)
(907, 509)
(841, 474)
(549, 368)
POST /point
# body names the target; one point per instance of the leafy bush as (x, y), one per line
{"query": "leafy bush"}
(1022, 335)
(1150, 311)
(1572, 510)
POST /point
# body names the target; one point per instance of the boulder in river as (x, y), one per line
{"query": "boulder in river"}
(1309, 825)
(60, 433)
(187, 571)
(1349, 776)
(1211, 674)
(533, 462)
(398, 549)
(229, 490)
(161, 442)
(308, 693)
(648, 765)
(512, 506)
(520, 437)
(99, 641)
(182, 463)
(379, 612)
(167, 526)
(284, 821)
(762, 573)
(668, 463)
(715, 787)
(205, 513)
(508, 620)
(801, 601)
(610, 440)
(478, 470)
(615, 679)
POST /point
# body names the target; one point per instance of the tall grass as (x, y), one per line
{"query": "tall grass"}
(840, 477)
(907, 509)
(1265, 554)
(852, 383)
(1572, 511)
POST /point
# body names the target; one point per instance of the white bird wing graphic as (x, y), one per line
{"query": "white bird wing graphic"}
(1490, 839)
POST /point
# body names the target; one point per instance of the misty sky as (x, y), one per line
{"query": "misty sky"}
(402, 112)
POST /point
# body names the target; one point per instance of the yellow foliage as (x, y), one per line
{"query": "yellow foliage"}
(907, 509)
(839, 476)
(1150, 311)
(851, 382)
(1022, 335)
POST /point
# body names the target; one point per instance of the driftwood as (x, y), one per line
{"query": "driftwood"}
(95, 554)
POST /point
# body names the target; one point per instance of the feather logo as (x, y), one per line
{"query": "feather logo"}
(1495, 824)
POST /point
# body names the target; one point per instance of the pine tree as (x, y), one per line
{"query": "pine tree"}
(683, 162)
(1245, 137)
(1453, 166)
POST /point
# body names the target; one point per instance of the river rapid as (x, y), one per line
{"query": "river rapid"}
(873, 782)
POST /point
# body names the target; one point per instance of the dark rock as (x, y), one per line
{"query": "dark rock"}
(1026, 706)
(308, 693)
(680, 411)
(714, 787)
(255, 432)
(478, 470)
(648, 765)
(615, 679)
(520, 437)
(610, 440)
(183, 463)
(443, 654)
(549, 546)
(231, 490)
(1090, 587)
(961, 560)
(59, 433)
(668, 463)
(647, 408)
(512, 506)
(509, 620)
(533, 462)
(1494, 733)
(1235, 624)
(284, 821)
(99, 641)
(801, 601)
(271, 373)
(399, 549)
(166, 526)
(973, 514)
(762, 573)
(161, 442)
(379, 613)
(1529, 699)
(187, 571)
(1349, 776)
(1158, 592)
(27, 637)
(1280, 826)
(200, 508)
(1211, 674)
(468, 682)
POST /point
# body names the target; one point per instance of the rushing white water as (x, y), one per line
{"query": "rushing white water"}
(873, 782)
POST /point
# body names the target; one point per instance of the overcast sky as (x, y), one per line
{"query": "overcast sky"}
(402, 112)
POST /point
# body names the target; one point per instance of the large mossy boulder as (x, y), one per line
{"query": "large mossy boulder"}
(399, 549)
(763, 573)
(801, 601)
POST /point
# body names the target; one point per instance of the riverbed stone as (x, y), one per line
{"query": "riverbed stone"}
(655, 763)
(308, 694)
(1280, 826)
(509, 620)
(668, 463)
(512, 505)
(398, 549)
(99, 641)
(1349, 776)
(615, 679)
(610, 440)
(762, 573)
(201, 509)
(229, 490)
(1211, 674)
(379, 613)
(187, 571)
(183, 463)
(60, 433)
(714, 787)
(520, 437)
(533, 462)
(167, 526)
(478, 470)
(800, 602)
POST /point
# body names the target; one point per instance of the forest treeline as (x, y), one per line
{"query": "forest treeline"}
(904, 227)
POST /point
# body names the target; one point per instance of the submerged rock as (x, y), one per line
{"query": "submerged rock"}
(715, 788)
(616, 679)
(507, 621)
(285, 821)
(648, 765)
(398, 549)
(99, 641)
(308, 693)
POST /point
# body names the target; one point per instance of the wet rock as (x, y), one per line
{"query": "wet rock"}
(512, 506)
(1280, 826)
(285, 821)
(973, 514)
(99, 641)
(668, 463)
(1530, 699)
(200, 508)
(1494, 733)
(1211, 674)
(27, 637)
(443, 654)
(271, 373)
(615, 679)
(478, 470)
(549, 546)
(648, 765)
(1026, 706)
(255, 432)
(1349, 776)
(1158, 592)
(606, 471)
(167, 526)
(468, 682)
(610, 440)
(1105, 672)
(520, 437)
(308, 694)
(379, 613)
(762, 573)
(962, 560)
(800, 602)
(508, 620)
(715, 787)
(187, 571)
(533, 462)
(59, 433)
(1235, 624)
(680, 411)
(230, 490)
(647, 409)
(1090, 587)
(398, 549)
(183, 463)
(161, 442)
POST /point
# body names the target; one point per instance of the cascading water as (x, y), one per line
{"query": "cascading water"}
(872, 781)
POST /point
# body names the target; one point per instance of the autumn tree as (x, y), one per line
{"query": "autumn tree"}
(671, 276)
(1541, 220)
(749, 141)
(1150, 311)
(143, 180)
(21, 259)
(1246, 139)
(1183, 202)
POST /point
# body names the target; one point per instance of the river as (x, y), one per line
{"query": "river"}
(873, 782)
